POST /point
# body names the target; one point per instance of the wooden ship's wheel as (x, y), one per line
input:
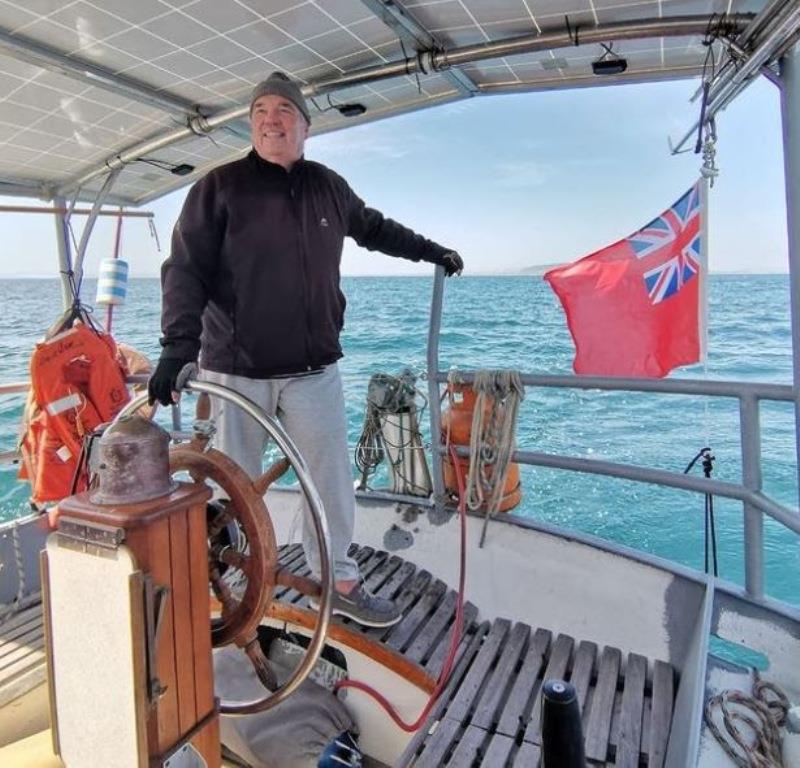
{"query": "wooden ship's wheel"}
(242, 554)
(242, 551)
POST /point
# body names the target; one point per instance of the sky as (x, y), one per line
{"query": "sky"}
(515, 181)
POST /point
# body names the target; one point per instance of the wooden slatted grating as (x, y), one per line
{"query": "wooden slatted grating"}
(490, 712)
(492, 716)
(425, 631)
(22, 657)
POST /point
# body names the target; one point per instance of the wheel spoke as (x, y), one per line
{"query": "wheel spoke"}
(274, 471)
(261, 665)
(222, 592)
(235, 559)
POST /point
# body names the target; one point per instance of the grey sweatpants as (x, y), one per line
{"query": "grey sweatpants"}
(311, 410)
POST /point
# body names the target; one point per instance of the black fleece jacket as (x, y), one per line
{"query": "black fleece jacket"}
(252, 282)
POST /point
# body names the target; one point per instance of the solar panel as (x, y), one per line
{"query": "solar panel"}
(151, 64)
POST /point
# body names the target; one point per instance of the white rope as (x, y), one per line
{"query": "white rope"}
(492, 438)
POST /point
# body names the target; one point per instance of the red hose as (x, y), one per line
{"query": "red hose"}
(457, 626)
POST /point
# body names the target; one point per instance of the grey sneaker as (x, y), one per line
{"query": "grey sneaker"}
(363, 608)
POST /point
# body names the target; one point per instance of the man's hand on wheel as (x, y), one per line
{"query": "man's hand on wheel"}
(162, 385)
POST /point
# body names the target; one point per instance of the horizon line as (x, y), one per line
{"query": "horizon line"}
(742, 273)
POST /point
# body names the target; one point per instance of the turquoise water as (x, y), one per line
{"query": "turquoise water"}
(515, 322)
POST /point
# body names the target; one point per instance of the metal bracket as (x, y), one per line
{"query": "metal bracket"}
(155, 602)
(186, 756)
(204, 429)
(92, 538)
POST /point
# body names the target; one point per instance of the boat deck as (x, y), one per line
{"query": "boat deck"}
(490, 712)
(21, 653)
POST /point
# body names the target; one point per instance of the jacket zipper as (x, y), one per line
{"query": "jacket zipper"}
(298, 212)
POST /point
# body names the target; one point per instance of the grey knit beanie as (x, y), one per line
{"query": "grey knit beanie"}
(279, 84)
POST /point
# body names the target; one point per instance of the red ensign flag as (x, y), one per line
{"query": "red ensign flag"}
(634, 308)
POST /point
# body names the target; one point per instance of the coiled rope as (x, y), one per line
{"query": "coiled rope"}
(758, 744)
(492, 439)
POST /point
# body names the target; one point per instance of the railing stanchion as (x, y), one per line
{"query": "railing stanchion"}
(64, 251)
(790, 113)
(751, 479)
(433, 384)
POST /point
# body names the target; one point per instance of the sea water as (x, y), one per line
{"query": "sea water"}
(516, 322)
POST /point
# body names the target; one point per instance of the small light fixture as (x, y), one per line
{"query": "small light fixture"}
(349, 109)
(181, 169)
(609, 63)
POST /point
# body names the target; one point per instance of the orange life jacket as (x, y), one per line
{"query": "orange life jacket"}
(77, 383)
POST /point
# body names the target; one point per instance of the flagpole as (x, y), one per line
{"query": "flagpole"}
(703, 287)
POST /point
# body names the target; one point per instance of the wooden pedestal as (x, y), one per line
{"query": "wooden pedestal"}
(170, 628)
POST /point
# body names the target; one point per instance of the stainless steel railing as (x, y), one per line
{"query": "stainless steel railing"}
(749, 394)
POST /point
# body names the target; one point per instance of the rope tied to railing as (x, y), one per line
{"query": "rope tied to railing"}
(492, 439)
(758, 744)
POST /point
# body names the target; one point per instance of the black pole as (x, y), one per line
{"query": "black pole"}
(562, 734)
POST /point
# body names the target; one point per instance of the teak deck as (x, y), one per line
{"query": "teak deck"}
(490, 712)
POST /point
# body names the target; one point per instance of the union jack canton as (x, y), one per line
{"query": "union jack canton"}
(673, 241)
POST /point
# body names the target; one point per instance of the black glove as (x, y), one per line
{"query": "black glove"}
(164, 380)
(452, 263)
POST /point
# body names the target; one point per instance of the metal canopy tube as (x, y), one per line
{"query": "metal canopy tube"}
(434, 326)
(433, 60)
(410, 30)
(790, 113)
(76, 212)
(760, 56)
(89, 226)
(48, 58)
(763, 18)
(64, 255)
(735, 79)
(676, 26)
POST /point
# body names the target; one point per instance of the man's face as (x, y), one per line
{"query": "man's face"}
(278, 130)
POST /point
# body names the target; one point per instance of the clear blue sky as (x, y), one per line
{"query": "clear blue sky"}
(518, 180)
